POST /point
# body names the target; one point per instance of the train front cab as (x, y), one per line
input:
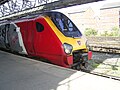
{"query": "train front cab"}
(74, 44)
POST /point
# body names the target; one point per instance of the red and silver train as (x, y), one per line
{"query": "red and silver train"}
(50, 35)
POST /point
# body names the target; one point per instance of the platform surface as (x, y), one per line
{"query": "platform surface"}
(20, 73)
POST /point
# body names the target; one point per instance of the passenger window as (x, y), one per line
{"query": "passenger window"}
(39, 27)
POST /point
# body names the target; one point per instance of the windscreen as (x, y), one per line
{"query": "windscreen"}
(64, 24)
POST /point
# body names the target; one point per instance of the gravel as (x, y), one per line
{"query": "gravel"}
(108, 64)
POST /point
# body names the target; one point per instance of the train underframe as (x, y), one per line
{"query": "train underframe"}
(80, 60)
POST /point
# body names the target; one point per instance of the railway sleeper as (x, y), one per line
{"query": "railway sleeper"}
(105, 49)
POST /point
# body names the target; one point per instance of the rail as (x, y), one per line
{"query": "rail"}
(104, 44)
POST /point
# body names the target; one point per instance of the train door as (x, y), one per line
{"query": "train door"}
(38, 37)
(30, 38)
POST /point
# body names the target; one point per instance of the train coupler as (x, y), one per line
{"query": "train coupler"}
(82, 63)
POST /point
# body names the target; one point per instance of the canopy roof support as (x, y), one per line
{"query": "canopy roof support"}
(11, 8)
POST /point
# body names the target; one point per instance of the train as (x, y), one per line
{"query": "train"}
(50, 35)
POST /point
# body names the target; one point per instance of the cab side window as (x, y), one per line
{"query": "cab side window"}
(39, 27)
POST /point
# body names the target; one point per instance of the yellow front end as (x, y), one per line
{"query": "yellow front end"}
(74, 44)
(78, 43)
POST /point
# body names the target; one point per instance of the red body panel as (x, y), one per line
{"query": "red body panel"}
(89, 55)
(43, 44)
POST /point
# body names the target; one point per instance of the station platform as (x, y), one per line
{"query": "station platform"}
(21, 73)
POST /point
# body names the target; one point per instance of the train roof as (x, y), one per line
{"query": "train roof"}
(27, 17)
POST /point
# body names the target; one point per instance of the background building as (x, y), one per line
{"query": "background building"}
(106, 20)
(109, 16)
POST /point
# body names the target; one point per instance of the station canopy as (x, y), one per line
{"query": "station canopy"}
(11, 8)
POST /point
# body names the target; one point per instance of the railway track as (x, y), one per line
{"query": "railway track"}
(102, 74)
(104, 48)
(106, 65)
(107, 76)
(104, 44)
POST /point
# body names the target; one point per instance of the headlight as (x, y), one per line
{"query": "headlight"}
(67, 48)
